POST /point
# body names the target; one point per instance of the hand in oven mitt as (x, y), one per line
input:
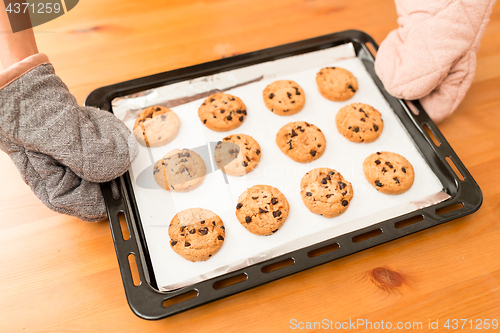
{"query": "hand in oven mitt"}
(62, 150)
(432, 55)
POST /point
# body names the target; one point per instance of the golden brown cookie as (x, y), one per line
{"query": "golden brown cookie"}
(284, 97)
(389, 173)
(262, 209)
(156, 126)
(222, 112)
(325, 192)
(196, 234)
(301, 141)
(336, 84)
(237, 154)
(179, 171)
(359, 122)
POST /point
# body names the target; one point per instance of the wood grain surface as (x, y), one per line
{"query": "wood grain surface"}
(59, 274)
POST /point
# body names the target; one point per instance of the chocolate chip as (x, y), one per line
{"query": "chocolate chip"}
(173, 243)
(297, 92)
(262, 211)
(158, 109)
(404, 170)
(356, 129)
(222, 227)
(377, 162)
(324, 181)
(204, 231)
(238, 137)
(187, 244)
(239, 205)
(212, 99)
(248, 219)
(375, 127)
(240, 118)
(220, 238)
(205, 121)
(319, 146)
(363, 120)
(351, 88)
(245, 164)
(231, 98)
(331, 173)
(309, 194)
(378, 153)
(389, 164)
(344, 193)
(222, 111)
(379, 184)
(313, 153)
(225, 139)
(290, 145)
(229, 118)
(244, 112)
(328, 196)
(342, 185)
(213, 222)
(271, 95)
(294, 134)
(274, 201)
(289, 95)
(384, 170)
(345, 203)
(202, 222)
(255, 198)
(277, 213)
(192, 231)
(257, 152)
(396, 180)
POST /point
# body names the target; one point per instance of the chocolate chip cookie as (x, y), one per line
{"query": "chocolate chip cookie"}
(389, 173)
(222, 112)
(237, 154)
(336, 84)
(359, 123)
(262, 209)
(284, 97)
(196, 234)
(301, 141)
(325, 192)
(156, 126)
(179, 171)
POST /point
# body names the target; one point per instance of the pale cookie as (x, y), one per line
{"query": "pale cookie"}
(156, 126)
(222, 112)
(237, 154)
(359, 123)
(301, 141)
(336, 84)
(389, 173)
(325, 192)
(284, 97)
(196, 234)
(179, 171)
(262, 209)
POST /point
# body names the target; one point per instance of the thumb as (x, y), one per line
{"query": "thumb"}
(443, 100)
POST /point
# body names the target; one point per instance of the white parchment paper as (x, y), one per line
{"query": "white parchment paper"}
(219, 192)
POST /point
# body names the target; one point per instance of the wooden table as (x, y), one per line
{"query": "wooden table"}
(59, 274)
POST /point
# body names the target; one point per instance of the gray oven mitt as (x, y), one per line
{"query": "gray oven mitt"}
(62, 150)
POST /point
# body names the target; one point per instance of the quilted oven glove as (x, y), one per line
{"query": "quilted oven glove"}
(432, 55)
(62, 150)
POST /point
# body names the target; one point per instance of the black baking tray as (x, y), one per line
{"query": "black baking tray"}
(142, 292)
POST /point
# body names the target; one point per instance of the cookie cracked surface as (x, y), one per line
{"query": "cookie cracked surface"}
(262, 209)
(196, 234)
(222, 112)
(359, 122)
(325, 192)
(284, 97)
(389, 173)
(156, 126)
(179, 171)
(301, 141)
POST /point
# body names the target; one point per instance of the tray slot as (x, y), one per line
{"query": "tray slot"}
(431, 135)
(372, 48)
(230, 281)
(409, 221)
(367, 235)
(278, 265)
(449, 208)
(124, 226)
(454, 168)
(323, 250)
(134, 271)
(180, 298)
